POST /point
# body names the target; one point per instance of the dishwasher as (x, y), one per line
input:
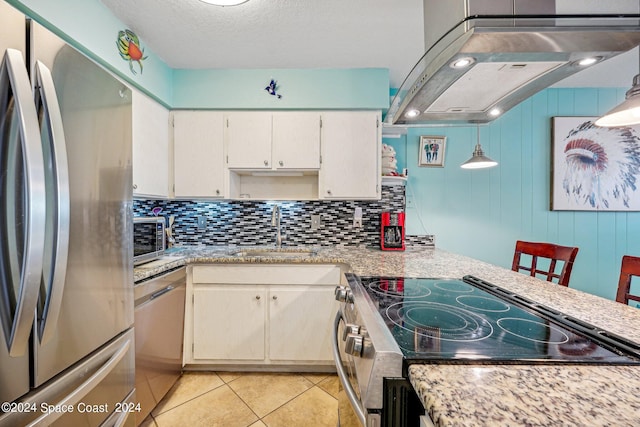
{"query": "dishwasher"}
(159, 331)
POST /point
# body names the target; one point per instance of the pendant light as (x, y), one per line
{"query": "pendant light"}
(224, 2)
(627, 113)
(478, 160)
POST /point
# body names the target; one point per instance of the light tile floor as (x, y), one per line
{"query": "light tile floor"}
(248, 400)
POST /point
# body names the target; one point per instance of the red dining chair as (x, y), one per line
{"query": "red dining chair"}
(552, 252)
(630, 267)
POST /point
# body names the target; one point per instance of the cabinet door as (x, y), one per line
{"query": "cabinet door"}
(296, 140)
(229, 322)
(300, 322)
(198, 154)
(150, 127)
(248, 140)
(351, 142)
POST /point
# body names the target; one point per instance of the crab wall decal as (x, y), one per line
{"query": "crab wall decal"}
(129, 49)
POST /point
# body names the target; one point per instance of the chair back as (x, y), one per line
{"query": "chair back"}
(550, 251)
(630, 267)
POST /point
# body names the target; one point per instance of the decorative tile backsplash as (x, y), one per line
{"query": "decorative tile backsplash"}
(249, 222)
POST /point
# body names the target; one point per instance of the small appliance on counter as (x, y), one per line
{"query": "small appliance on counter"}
(392, 231)
(148, 239)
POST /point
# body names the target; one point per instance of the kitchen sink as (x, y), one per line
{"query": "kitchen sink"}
(275, 252)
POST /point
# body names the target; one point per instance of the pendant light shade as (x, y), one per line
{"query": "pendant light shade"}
(627, 113)
(478, 160)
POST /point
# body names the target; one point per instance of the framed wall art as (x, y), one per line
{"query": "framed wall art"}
(594, 168)
(432, 151)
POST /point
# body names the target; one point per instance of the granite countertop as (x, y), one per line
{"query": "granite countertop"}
(480, 395)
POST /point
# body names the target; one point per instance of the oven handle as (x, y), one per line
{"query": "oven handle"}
(342, 375)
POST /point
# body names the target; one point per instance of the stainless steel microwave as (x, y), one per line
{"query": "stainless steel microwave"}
(148, 239)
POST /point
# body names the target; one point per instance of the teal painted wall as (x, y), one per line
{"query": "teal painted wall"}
(361, 88)
(482, 213)
(91, 28)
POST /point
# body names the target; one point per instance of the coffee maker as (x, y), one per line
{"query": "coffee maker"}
(392, 231)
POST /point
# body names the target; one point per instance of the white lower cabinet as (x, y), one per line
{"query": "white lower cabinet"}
(260, 314)
(300, 319)
(228, 322)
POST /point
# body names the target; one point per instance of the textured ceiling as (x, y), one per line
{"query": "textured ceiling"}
(280, 33)
(305, 34)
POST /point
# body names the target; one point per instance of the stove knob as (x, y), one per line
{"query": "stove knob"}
(353, 344)
(343, 294)
(350, 328)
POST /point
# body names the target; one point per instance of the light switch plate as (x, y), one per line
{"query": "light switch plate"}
(357, 218)
(202, 222)
(316, 222)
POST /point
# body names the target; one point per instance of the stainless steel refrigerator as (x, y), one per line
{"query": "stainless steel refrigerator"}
(66, 275)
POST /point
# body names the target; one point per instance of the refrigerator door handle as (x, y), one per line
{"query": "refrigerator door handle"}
(30, 269)
(75, 397)
(47, 100)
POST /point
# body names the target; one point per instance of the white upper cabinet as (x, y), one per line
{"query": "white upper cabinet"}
(272, 141)
(351, 144)
(296, 140)
(248, 140)
(151, 167)
(198, 154)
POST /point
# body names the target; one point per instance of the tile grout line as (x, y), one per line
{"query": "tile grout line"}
(294, 398)
(246, 404)
(190, 400)
(288, 401)
(325, 391)
(261, 419)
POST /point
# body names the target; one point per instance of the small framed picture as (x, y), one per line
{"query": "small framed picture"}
(432, 150)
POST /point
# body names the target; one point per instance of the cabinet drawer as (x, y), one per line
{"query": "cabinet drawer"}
(284, 274)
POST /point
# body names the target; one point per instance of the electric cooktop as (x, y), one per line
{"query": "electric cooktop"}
(474, 320)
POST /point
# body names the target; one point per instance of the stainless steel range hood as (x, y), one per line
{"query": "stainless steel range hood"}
(515, 48)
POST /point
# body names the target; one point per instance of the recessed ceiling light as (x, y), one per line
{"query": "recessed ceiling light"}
(495, 112)
(224, 2)
(589, 61)
(412, 113)
(462, 62)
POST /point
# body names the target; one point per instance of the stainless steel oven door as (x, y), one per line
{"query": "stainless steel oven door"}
(351, 412)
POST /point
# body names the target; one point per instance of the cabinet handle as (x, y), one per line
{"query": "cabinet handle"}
(266, 162)
(281, 163)
(275, 297)
(217, 192)
(257, 297)
(328, 191)
(135, 186)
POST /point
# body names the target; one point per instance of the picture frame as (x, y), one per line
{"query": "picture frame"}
(432, 151)
(594, 168)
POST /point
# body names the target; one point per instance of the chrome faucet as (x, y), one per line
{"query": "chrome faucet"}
(275, 222)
